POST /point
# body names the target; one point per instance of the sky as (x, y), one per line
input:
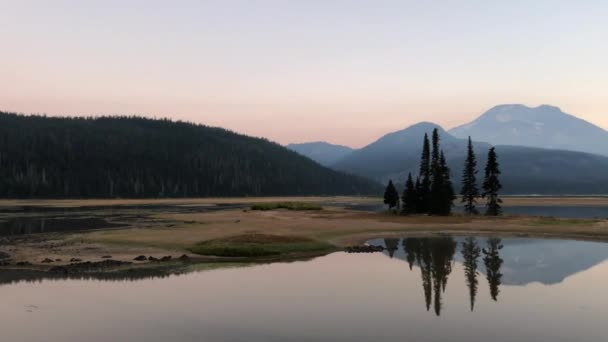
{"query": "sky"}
(345, 71)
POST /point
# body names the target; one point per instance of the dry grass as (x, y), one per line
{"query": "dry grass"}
(174, 233)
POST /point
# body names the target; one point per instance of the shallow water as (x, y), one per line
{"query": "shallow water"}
(37, 225)
(528, 290)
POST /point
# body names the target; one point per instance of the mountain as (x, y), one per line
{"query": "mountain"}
(395, 154)
(525, 170)
(323, 153)
(544, 126)
(139, 157)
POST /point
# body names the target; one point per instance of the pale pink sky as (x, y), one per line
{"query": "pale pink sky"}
(293, 71)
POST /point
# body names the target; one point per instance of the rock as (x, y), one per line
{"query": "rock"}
(4, 256)
(141, 258)
(364, 249)
(106, 257)
(4, 263)
(47, 261)
(58, 260)
(24, 263)
(151, 258)
(89, 266)
(59, 269)
(75, 260)
(165, 258)
(184, 257)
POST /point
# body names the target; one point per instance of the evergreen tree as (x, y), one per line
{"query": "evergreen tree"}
(391, 196)
(447, 197)
(437, 177)
(491, 185)
(420, 205)
(424, 186)
(442, 190)
(469, 191)
(410, 197)
(435, 151)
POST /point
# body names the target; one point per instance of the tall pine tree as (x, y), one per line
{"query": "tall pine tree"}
(469, 191)
(447, 189)
(391, 196)
(437, 186)
(424, 179)
(410, 197)
(491, 185)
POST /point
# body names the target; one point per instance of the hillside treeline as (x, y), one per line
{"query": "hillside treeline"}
(48, 157)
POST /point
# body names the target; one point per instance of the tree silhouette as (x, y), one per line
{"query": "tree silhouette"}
(447, 193)
(491, 185)
(469, 191)
(411, 246)
(391, 196)
(442, 251)
(493, 262)
(425, 263)
(442, 191)
(392, 245)
(470, 254)
(434, 256)
(410, 197)
(424, 180)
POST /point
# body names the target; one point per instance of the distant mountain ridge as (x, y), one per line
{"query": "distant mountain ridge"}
(543, 126)
(322, 152)
(526, 170)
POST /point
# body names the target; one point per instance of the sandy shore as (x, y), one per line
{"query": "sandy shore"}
(161, 233)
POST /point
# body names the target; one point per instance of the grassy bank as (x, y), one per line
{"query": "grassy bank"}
(266, 234)
(297, 206)
(261, 245)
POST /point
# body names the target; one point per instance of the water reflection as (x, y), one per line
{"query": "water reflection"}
(470, 254)
(434, 258)
(338, 297)
(33, 225)
(493, 263)
(528, 261)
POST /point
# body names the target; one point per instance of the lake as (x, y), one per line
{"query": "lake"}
(425, 289)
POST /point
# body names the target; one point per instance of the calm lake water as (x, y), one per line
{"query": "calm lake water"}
(437, 289)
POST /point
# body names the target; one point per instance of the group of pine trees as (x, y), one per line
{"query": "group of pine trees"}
(433, 192)
(491, 184)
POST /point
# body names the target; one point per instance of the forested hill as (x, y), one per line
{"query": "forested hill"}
(139, 157)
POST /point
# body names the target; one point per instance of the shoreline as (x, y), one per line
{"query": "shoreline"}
(156, 231)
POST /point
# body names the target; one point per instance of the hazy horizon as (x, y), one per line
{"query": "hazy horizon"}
(339, 71)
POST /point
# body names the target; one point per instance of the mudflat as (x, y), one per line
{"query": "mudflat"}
(173, 228)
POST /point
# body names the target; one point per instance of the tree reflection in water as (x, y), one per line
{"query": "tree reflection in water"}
(470, 254)
(435, 257)
(493, 263)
